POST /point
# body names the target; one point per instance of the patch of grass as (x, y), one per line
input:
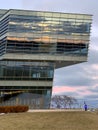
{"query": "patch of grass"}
(49, 121)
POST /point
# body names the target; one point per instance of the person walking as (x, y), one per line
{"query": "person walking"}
(85, 106)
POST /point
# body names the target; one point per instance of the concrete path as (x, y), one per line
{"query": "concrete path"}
(53, 110)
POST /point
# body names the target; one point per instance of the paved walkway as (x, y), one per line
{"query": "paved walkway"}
(53, 110)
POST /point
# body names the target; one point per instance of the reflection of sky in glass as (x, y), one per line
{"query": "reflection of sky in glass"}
(46, 32)
(49, 25)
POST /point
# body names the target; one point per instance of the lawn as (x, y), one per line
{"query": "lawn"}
(49, 121)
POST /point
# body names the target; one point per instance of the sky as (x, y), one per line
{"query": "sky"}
(81, 80)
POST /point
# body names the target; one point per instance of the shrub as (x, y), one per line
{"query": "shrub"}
(13, 109)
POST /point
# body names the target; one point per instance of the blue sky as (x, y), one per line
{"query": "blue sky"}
(81, 80)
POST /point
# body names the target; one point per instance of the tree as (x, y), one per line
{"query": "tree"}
(63, 101)
(56, 100)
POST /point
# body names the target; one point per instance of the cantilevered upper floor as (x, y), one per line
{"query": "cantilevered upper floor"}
(44, 36)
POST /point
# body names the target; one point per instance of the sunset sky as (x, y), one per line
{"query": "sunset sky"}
(81, 80)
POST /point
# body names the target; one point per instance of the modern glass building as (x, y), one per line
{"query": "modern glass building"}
(32, 45)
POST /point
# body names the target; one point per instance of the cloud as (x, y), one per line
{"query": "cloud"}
(92, 96)
(62, 5)
(84, 74)
(80, 92)
(65, 90)
(10, 4)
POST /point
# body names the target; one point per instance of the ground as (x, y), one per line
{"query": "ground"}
(68, 120)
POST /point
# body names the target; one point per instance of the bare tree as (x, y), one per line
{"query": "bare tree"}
(56, 100)
(71, 101)
(63, 101)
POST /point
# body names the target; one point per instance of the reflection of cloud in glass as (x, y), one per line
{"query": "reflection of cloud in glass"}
(44, 39)
(32, 32)
(17, 38)
(60, 27)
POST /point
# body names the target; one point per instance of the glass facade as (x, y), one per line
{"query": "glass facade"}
(34, 97)
(36, 33)
(46, 32)
(21, 70)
